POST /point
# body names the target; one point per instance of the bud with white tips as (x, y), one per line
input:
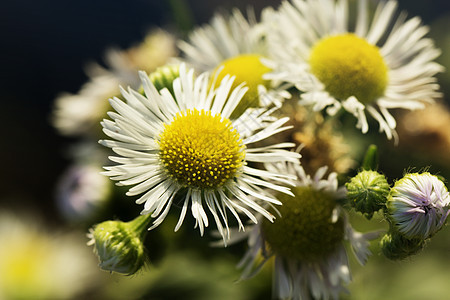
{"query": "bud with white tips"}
(418, 205)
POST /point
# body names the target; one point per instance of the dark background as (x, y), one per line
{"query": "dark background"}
(44, 46)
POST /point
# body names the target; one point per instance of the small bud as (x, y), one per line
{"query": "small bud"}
(164, 76)
(396, 247)
(418, 205)
(119, 245)
(367, 192)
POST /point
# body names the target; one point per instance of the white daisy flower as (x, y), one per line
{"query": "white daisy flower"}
(224, 38)
(310, 260)
(234, 45)
(418, 205)
(374, 66)
(81, 113)
(186, 148)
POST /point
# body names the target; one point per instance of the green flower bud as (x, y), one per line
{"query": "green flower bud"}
(164, 76)
(119, 245)
(396, 247)
(367, 192)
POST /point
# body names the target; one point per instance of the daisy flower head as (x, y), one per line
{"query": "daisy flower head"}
(234, 45)
(418, 205)
(185, 148)
(310, 260)
(382, 62)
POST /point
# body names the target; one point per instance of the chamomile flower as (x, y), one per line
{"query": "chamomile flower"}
(418, 205)
(379, 64)
(187, 149)
(234, 45)
(306, 242)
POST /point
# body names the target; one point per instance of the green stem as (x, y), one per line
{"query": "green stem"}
(140, 224)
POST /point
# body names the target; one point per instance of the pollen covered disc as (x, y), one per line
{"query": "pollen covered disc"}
(349, 66)
(201, 150)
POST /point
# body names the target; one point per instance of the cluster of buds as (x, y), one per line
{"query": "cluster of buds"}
(416, 207)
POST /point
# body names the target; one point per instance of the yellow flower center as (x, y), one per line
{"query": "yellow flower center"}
(249, 69)
(349, 66)
(200, 150)
(306, 230)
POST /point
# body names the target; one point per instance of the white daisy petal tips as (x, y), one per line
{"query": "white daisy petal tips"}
(186, 150)
(378, 65)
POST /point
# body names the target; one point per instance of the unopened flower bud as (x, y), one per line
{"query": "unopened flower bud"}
(164, 76)
(367, 192)
(418, 205)
(396, 247)
(119, 245)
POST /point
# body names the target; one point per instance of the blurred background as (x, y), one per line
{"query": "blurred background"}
(45, 46)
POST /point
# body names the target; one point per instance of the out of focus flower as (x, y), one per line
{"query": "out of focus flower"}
(36, 264)
(426, 132)
(81, 113)
(82, 191)
(321, 144)
(307, 240)
(371, 68)
(418, 205)
(188, 147)
(157, 49)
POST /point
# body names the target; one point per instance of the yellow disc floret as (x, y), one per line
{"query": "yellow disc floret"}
(201, 150)
(249, 69)
(306, 230)
(349, 66)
